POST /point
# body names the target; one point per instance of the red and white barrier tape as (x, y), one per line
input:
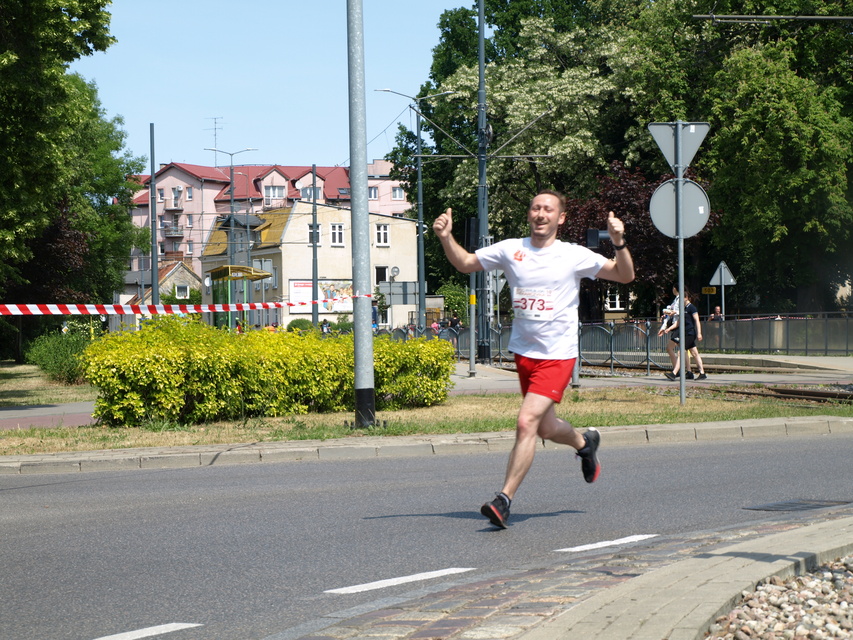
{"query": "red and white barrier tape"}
(151, 309)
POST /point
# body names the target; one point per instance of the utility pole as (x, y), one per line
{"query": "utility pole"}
(315, 289)
(484, 346)
(231, 247)
(365, 394)
(421, 251)
(152, 204)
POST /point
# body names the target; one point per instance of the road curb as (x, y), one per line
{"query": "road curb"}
(682, 601)
(404, 446)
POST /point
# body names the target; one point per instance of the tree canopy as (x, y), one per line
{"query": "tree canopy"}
(577, 83)
(65, 232)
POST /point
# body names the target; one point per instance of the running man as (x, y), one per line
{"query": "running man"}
(544, 275)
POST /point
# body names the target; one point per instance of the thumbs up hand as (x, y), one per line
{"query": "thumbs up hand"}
(443, 224)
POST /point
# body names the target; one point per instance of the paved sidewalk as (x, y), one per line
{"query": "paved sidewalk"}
(664, 588)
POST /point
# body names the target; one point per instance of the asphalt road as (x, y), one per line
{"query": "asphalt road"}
(249, 552)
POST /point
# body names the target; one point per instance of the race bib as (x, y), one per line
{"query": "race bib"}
(533, 304)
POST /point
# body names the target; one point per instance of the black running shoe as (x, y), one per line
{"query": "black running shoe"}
(688, 375)
(701, 376)
(670, 376)
(497, 511)
(589, 455)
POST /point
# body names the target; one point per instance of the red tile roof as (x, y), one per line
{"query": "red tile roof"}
(335, 179)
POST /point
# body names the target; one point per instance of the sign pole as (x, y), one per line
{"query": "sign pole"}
(679, 142)
(679, 222)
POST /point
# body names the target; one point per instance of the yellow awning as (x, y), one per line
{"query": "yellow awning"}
(238, 272)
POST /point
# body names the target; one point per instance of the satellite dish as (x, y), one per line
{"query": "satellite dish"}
(395, 271)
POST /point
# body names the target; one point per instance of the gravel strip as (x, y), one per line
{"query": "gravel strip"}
(813, 606)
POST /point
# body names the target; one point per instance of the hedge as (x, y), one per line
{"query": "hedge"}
(185, 371)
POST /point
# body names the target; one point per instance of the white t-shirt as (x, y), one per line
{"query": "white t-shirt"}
(545, 284)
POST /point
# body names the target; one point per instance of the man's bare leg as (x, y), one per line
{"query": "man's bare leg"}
(536, 419)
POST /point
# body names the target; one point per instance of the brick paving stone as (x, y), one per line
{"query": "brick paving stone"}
(508, 607)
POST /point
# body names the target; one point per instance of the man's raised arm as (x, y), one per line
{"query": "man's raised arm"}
(463, 260)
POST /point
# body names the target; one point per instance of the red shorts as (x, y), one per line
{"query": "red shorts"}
(547, 378)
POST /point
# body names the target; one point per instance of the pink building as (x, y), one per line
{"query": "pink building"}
(191, 198)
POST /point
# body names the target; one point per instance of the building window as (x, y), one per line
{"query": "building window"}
(614, 300)
(275, 277)
(161, 195)
(306, 192)
(381, 274)
(373, 193)
(273, 192)
(161, 221)
(189, 193)
(182, 291)
(190, 247)
(189, 220)
(337, 234)
(344, 191)
(382, 235)
(316, 236)
(176, 246)
(397, 193)
(161, 248)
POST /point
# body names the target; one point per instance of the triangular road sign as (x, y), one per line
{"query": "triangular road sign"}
(722, 276)
(692, 135)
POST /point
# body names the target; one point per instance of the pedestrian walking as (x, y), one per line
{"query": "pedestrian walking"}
(544, 275)
(692, 335)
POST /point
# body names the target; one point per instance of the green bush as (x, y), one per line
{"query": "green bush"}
(183, 371)
(414, 373)
(300, 324)
(59, 356)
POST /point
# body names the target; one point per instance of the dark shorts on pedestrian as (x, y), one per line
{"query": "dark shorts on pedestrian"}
(547, 378)
(689, 340)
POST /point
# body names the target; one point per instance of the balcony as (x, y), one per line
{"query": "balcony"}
(173, 204)
(173, 231)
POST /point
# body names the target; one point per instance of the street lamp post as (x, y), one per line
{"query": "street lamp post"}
(421, 260)
(247, 296)
(231, 247)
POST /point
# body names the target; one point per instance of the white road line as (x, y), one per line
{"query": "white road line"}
(609, 543)
(382, 584)
(150, 631)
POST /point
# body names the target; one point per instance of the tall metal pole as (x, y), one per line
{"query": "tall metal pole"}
(247, 285)
(315, 288)
(484, 347)
(679, 233)
(421, 262)
(365, 398)
(231, 245)
(420, 204)
(152, 203)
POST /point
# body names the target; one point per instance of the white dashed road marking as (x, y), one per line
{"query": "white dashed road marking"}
(609, 543)
(382, 584)
(150, 631)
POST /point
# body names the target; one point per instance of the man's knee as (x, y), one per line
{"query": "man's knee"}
(526, 426)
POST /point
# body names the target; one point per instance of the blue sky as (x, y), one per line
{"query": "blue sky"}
(268, 74)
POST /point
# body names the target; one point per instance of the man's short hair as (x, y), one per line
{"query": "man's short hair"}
(550, 192)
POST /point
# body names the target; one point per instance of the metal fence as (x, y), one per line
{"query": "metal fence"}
(637, 344)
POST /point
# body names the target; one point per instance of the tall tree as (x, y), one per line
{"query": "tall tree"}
(592, 75)
(781, 160)
(38, 39)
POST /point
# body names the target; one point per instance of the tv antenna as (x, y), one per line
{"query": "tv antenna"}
(215, 128)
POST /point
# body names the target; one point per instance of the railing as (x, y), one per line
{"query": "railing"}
(637, 344)
(173, 231)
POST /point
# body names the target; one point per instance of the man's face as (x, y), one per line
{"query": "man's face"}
(545, 216)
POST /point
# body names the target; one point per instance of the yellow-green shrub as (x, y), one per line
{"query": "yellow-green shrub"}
(183, 370)
(414, 373)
